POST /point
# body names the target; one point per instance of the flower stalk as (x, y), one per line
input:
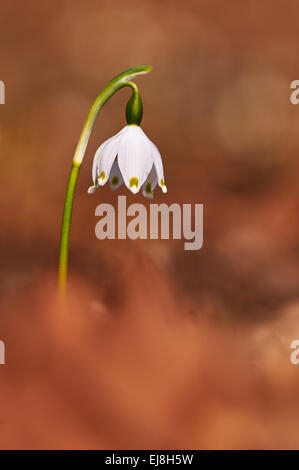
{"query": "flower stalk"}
(113, 86)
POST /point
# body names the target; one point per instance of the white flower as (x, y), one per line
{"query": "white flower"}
(128, 157)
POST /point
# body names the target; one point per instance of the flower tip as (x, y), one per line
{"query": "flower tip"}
(91, 189)
(164, 189)
(134, 185)
(134, 189)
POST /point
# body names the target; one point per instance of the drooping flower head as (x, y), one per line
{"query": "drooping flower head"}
(129, 157)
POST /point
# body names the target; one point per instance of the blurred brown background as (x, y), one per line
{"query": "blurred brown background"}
(159, 347)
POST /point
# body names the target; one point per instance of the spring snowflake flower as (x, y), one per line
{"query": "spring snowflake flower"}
(128, 157)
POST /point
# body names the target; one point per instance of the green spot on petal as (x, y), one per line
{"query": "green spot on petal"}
(115, 180)
(134, 182)
(148, 188)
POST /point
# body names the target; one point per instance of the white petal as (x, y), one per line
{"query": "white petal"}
(135, 157)
(96, 158)
(106, 160)
(99, 152)
(159, 167)
(150, 184)
(116, 180)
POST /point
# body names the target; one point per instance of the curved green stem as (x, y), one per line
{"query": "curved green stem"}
(114, 85)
